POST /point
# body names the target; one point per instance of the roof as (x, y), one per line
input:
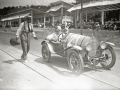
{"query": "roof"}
(55, 8)
(59, 2)
(99, 5)
(57, 5)
(23, 13)
(15, 17)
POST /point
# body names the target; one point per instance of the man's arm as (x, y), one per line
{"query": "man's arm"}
(19, 30)
(33, 33)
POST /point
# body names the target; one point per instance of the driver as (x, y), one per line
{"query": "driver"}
(65, 33)
(64, 37)
(54, 36)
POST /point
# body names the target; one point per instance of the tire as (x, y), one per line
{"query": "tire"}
(107, 57)
(46, 54)
(75, 62)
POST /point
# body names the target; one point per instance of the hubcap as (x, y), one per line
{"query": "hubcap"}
(107, 57)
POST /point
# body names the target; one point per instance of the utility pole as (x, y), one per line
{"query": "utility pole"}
(81, 27)
(80, 12)
(61, 13)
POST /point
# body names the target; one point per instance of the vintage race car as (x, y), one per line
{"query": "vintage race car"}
(80, 51)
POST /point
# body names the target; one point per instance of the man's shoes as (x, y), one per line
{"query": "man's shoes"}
(25, 61)
(23, 58)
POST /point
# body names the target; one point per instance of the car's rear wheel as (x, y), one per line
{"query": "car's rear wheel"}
(46, 54)
(109, 58)
(75, 62)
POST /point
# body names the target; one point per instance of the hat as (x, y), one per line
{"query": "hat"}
(58, 28)
(66, 30)
(14, 42)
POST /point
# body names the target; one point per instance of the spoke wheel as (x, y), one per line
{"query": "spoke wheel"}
(46, 54)
(75, 62)
(109, 58)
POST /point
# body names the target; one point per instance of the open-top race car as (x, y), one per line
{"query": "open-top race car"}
(80, 50)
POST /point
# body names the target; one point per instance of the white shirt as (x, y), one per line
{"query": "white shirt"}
(21, 28)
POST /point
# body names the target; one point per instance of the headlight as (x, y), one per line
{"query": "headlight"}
(103, 45)
(88, 47)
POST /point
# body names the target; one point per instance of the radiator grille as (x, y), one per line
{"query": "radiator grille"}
(94, 43)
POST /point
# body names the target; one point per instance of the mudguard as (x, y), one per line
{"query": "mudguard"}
(49, 46)
(74, 47)
(77, 48)
(44, 42)
(109, 43)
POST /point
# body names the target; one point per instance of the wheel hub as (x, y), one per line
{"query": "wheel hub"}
(106, 57)
(74, 62)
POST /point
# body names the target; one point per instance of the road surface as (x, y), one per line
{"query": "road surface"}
(54, 75)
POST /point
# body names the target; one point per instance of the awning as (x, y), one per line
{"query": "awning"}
(71, 9)
(78, 6)
(96, 4)
(15, 17)
(55, 8)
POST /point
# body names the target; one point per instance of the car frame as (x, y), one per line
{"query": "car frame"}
(80, 50)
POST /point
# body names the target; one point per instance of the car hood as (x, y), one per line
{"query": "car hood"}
(82, 41)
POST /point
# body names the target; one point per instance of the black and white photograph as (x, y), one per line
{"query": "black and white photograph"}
(59, 44)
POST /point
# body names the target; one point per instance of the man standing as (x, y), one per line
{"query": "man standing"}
(23, 33)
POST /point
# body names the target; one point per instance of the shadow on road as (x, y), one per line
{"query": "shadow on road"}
(12, 61)
(60, 65)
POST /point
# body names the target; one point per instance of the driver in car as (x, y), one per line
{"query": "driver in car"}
(65, 33)
(55, 36)
(64, 36)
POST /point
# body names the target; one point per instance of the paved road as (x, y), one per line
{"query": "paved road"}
(57, 71)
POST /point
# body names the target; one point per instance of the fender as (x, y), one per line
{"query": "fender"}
(77, 47)
(49, 46)
(109, 43)
(74, 46)
(44, 41)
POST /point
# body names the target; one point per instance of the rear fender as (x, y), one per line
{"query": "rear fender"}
(49, 45)
(45, 41)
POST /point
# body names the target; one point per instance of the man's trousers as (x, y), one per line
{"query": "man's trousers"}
(25, 44)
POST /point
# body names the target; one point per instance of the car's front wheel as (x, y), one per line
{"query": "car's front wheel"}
(75, 62)
(46, 54)
(109, 58)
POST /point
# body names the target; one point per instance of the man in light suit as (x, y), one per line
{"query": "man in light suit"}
(54, 36)
(23, 32)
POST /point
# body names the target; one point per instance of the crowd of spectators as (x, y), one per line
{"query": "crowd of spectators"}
(108, 25)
